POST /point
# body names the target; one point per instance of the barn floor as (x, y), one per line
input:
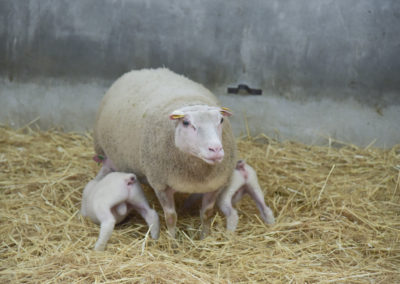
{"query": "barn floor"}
(337, 209)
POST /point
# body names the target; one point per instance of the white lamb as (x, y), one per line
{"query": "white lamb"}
(109, 200)
(244, 181)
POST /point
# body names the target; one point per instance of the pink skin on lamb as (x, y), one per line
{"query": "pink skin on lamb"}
(240, 166)
(109, 200)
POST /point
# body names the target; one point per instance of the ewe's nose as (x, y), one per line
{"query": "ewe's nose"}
(216, 153)
(215, 149)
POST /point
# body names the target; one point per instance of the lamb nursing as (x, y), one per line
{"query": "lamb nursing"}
(109, 200)
(170, 132)
(244, 181)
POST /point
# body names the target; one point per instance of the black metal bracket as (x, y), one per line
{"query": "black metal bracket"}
(243, 88)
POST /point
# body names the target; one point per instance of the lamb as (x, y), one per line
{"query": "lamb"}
(244, 180)
(108, 201)
(169, 131)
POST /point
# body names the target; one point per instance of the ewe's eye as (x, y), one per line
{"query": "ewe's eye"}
(222, 119)
(185, 123)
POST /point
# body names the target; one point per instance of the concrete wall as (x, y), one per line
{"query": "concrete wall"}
(326, 68)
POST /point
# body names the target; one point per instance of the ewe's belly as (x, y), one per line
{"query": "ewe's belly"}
(186, 186)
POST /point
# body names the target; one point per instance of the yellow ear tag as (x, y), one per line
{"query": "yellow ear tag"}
(177, 116)
(226, 109)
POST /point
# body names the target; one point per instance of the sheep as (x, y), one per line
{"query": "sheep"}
(244, 181)
(109, 200)
(170, 132)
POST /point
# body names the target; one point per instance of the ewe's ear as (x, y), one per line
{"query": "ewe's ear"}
(176, 114)
(225, 111)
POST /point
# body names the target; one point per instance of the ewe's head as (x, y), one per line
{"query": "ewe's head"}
(198, 131)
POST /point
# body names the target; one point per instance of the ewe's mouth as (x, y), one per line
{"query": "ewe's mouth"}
(212, 161)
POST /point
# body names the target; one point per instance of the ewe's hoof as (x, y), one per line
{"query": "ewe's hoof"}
(172, 232)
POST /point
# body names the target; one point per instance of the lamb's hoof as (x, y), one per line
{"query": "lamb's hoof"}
(155, 234)
(154, 225)
(270, 221)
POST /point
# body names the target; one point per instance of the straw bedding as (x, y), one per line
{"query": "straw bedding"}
(337, 212)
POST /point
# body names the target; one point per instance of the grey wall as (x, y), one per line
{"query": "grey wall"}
(327, 68)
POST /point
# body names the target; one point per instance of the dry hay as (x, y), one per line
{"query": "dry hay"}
(337, 212)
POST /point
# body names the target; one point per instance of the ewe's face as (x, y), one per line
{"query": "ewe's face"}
(199, 132)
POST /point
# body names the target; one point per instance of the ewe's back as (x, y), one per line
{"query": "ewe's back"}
(143, 90)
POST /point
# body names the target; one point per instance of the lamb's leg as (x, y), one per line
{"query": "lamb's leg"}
(238, 195)
(254, 190)
(106, 228)
(167, 202)
(151, 218)
(102, 173)
(139, 202)
(122, 209)
(107, 168)
(232, 194)
(207, 211)
(230, 213)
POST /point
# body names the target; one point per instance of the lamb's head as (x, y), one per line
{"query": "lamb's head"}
(198, 131)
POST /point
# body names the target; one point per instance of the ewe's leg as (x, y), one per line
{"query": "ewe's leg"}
(207, 211)
(167, 202)
(254, 190)
(106, 228)
(139, 202)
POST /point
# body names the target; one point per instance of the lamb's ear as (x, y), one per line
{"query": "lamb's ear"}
(176, 114)
(225, 111)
